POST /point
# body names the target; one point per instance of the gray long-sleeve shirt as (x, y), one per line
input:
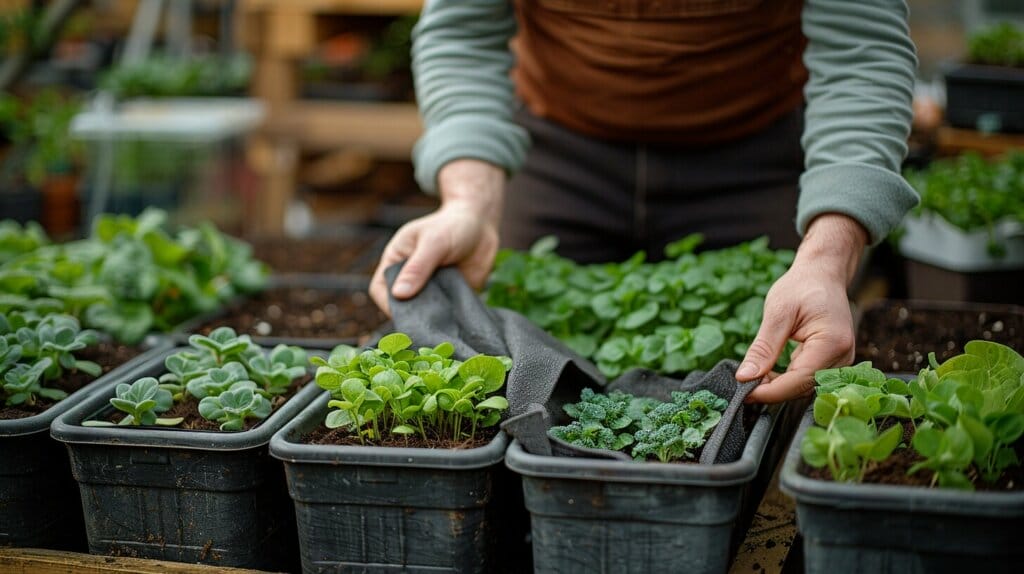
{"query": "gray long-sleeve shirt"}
(859, 56)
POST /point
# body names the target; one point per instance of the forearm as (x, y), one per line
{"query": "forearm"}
(861, 62)
(461, 64)
(472, 185)
(833, 244)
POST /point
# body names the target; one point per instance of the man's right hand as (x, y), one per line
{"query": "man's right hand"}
(462, 232)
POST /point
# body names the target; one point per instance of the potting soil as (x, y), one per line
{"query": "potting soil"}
(546, 374)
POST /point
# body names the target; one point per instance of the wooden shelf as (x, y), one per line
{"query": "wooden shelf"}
(35, 561)
(952, 141)
(364, 7)
(386, 130)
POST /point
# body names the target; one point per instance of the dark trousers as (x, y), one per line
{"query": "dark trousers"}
(607, 200)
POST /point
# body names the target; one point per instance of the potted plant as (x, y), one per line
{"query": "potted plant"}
(985, 92)
(966, 238)
(47, 365)
(182, 442)
(394, 467)
(924, 475)
(43, 159)
(656, 481)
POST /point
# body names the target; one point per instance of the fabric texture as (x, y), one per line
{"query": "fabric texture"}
(860, 61)
(546, 374)
(675, 71)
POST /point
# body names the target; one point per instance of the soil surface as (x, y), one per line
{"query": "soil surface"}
(319, 255)
(107, 355)
(302, 312)
(893, 470)
(897, 338)
(341, 436)
(189, 410)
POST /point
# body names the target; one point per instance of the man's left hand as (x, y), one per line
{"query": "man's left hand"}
(808, 304)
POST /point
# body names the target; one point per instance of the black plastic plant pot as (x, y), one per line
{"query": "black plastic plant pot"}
(986, 98)
(380, 509)
(883, 528)
(39, 501)
(600, 515)
(173, 494)
(341, 285)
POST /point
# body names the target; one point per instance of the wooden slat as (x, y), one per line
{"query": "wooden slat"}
(35, 561)
(366, 7)
(388, 131)
(953, 141)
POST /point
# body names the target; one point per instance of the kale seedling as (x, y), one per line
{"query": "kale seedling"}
(21, 384)
(667, 431)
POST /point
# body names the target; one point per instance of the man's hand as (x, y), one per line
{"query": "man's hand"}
(808, 304)
(462, 232)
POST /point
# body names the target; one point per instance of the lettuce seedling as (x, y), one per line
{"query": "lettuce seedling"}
(223, 344)
(143, 400)
(968, 414)
(217, 380)
(22, 384)
(233, 406)
(275, 372)
(394, 390)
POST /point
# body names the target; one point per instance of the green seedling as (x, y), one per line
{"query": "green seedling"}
(232, 407)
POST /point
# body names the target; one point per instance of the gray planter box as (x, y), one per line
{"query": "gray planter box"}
(600, 515)
(901, 529)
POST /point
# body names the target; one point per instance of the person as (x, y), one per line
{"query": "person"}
(653, 119)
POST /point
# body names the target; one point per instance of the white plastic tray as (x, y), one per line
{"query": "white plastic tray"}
(933, 240)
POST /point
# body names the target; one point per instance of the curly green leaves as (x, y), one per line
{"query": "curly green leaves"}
(666, 431)
(968, 414)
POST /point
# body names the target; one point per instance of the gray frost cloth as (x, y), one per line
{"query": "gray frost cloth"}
(546, 374)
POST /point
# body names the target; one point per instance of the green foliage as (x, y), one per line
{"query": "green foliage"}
(232, 378)
(16, 240)
(968, 413)
(999, 45)
(173, 77)
(676, 316)
(132, 276)
(142, 401)
(393, 390)
(233, 406)
(973, 193)
(40, 126)
(667, 431)
(36, 352)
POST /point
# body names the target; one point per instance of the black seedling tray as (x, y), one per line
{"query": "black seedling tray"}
(976, 95)
(173, 494)
(39, 502)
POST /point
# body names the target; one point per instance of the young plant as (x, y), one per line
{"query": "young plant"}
(223, 344)
(664, 430)
(968, 415)
(22, 384)
(232, 407)
(220, 372)
(274, 372)
(684, 313)
(143, 400)
(393, 390)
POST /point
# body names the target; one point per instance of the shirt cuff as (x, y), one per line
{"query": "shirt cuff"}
(877, 198)
(495, 141)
